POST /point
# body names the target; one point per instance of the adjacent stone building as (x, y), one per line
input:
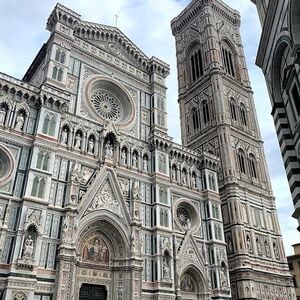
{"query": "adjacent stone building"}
(98, 202)
(294, 266)
(279, 58)
(218, 116)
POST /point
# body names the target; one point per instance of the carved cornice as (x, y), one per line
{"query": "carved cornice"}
(64, 15)
(90, 31)
(97, 32)
(194, 8)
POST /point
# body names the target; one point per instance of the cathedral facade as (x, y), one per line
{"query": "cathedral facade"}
(98, 202)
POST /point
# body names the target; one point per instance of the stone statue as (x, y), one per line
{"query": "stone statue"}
(64, 137)
(78, 140)
(276, 252)
(267, 248)
(28, 248)
(166, 270)
(223, 277)
(174, 175)
(109, 150)
(188, 224)
(2, 115)
(194, 183)
(136, 193)
(123, 157)
(134, 160)
(229, 244)
(91, 146)
(258, 245)
(184, 177)
(19, 122)
(145, 164)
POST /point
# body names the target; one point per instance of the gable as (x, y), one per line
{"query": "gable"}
(105, 195)
(112, 40)
(189, 254)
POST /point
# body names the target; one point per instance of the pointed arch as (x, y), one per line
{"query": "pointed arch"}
(228, 58)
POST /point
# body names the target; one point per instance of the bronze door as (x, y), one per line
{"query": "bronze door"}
(92, 292)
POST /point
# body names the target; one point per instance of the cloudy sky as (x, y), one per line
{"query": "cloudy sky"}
(147, 23)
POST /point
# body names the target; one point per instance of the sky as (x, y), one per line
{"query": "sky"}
(147, 24)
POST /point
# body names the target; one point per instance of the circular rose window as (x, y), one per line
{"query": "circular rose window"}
(183, 216)
(106, 105)
(187, 216)
(108, 101)
(6, 165)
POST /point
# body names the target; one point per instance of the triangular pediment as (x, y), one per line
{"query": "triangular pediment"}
(105, 195)
(113, 41)
(189, 254)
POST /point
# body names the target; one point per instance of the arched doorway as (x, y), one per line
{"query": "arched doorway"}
(92, 292)
(102, 260)
(192, 285)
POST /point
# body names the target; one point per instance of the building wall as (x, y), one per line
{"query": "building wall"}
(278, 57)
(294, 266)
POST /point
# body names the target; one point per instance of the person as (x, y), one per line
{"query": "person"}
(64, 137)
(91, 146)
(78, 142)
(19, 122)
(2, 115)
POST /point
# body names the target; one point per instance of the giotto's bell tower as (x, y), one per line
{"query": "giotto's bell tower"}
(218, 116)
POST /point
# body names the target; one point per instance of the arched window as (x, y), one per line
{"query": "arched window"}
(43, 160)
(164, 218)
(60, 74)
(38, 187)
(163, 195)
(195, 118)
(57, 73)
(252, 166)
(60, 56)
(243, 114)
(205, 112)
(196, 65)
(54, 72)
(49, 125)
(228, 59)
(232, 109)
(241, 159)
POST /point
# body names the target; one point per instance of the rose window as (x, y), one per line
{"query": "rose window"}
(183, 216)
(6, 165)
(106, 105)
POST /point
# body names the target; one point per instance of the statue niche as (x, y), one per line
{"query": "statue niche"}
(95, 250)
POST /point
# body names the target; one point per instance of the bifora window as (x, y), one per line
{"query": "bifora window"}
(196, 64)
(228, 60)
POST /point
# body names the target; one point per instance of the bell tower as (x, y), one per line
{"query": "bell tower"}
(218, 116)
